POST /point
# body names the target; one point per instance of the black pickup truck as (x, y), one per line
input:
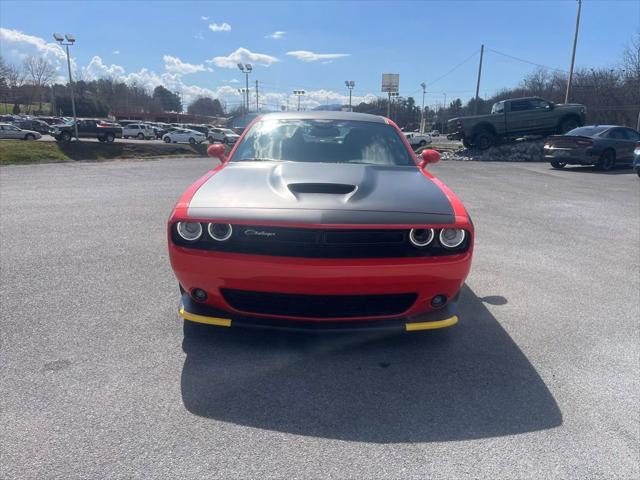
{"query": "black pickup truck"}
(88, 128)
(516, 117)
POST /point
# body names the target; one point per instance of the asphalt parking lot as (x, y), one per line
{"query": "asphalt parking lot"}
(539, 380)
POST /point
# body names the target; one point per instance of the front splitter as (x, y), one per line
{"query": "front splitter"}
(196, 312)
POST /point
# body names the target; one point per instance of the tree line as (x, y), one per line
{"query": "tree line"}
(31, 89)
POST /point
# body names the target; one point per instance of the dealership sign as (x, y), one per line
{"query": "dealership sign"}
(391, 82)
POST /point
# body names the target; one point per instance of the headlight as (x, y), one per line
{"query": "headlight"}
(421, 237)
(220, 232)
(189, 231)
(452, 237)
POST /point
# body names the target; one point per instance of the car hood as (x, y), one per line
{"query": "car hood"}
(321, 193)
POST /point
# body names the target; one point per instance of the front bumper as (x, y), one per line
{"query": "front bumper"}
(219, 272)
(200, 313)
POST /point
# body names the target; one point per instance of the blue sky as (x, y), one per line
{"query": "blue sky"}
(188, 45)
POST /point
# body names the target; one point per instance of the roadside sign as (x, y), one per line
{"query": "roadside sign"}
(391, 82)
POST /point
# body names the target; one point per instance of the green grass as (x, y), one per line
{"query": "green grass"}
(17, 152)
(7, 108)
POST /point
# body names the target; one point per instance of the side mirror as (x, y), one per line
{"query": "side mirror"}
(217, 150)
(429, 156)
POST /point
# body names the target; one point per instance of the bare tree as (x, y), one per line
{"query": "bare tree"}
(631, 58)
(40, 72)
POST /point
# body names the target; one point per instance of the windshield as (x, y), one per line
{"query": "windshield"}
(586, 131)
(327, 141)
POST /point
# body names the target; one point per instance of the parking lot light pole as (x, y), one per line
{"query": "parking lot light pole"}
(70, 41)
(424, 91)
(350, 84)
(246, 69)
(299, 93)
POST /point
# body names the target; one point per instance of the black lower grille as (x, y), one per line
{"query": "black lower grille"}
(318, 306)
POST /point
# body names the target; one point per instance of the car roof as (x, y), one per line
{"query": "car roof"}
(323, 115)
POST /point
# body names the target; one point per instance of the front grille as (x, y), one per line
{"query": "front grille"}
(318, 306)
(318, 243)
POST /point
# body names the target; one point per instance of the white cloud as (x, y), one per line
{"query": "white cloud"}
(15, 46)
(175, 65)
(98, 69)
(242, 55)
(307, 56)
(276, 35)
(116, 52)
(234, 80)
(219, 27)
(203, 18)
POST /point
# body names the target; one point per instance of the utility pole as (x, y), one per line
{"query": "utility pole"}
(257, 98)
(475, 106)
(424, 91)
(573, 54)
(444, 124)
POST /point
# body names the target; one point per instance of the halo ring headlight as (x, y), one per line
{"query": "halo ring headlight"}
(421, 237)
(189, 231)
(220, 232)
(452, 237)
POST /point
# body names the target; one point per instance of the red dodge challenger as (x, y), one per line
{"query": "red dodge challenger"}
(320, 220)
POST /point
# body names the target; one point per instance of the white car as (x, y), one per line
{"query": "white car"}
(417, 139)
(8, 131)
(183, 135)
(435, 133)
(141, 131)
(223, 135)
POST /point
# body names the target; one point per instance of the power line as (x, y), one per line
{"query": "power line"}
(525, 61)
(454, 68)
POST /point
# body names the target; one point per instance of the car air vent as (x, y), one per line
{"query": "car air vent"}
(333, 188)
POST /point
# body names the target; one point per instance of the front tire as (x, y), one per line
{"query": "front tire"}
(65, 136)
(558, 165)
(167, 140)
(29, 136)
(192, 141)
(484, 139)
(606, 161)
(225, 140)
(110, 137)
(422, 143)
(140, 136)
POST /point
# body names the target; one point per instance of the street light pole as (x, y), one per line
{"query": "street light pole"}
(573, 54)
(350, 84)
(299, 93)
(246, 69)
(424, 91)
(70, 41)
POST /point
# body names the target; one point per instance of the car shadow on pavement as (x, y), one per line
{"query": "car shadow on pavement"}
(470, 381)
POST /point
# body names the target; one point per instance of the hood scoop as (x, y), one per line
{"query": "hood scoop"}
(329, 188)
